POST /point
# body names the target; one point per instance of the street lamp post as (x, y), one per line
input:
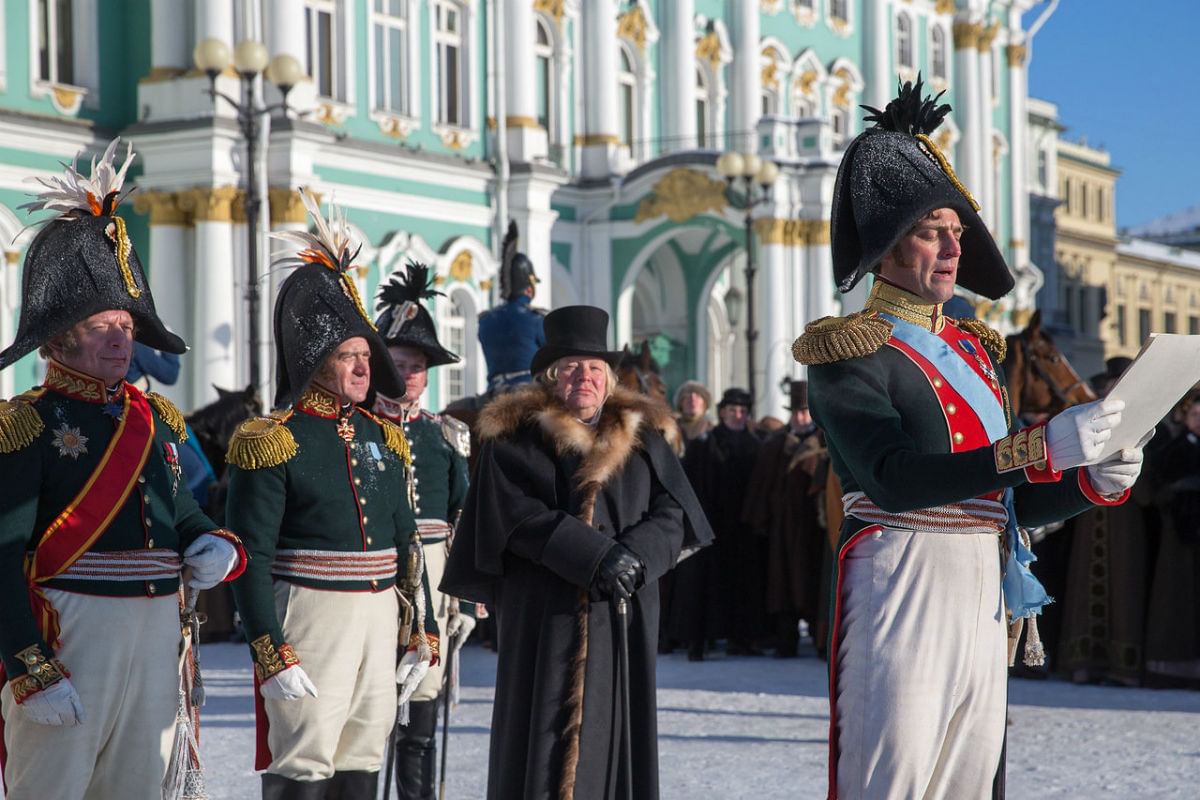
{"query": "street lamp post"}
(249, 59)
(757, 177)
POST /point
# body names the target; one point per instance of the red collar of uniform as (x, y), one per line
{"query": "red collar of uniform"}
(318, 401)
(79, 385)
(395, 410)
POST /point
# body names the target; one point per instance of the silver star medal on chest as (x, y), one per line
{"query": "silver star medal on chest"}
(70, 442)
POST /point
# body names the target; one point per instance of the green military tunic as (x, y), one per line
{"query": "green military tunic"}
(52, 439)
(318, 477)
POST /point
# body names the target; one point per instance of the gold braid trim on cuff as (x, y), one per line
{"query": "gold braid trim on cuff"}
(831, 339)
(20, 422)
(41, 672)
(989, 337)
(170, 414)
(262, 442)
(270, 660)
(1022, 449)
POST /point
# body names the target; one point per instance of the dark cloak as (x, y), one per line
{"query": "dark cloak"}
(524, 548)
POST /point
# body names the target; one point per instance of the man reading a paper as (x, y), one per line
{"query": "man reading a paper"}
(915, 410)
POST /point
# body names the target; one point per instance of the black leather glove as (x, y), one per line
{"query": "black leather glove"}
(620, 573)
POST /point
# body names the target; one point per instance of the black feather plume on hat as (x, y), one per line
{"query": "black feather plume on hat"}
(413, 286)
(508, 251)
(908, 112)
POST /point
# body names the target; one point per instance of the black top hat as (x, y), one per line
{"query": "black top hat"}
(798, 391)
(892, 176)
(736, 397)
(516, 270)
(83, 263)
(575, 331)
(405, 321)
(318, 308)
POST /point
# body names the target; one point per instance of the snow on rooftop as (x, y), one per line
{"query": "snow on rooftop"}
(1177, 222)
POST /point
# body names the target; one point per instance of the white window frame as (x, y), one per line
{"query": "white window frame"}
(67, 96)
(545, 57)
(463, 324)
(905, 34)
(805, 62)
(805, 12)
(341, 78)
(628, 114)
(841, 23)
(465, 40)
(843, 72)
(702, 106)
(938, 46)
(409, 70)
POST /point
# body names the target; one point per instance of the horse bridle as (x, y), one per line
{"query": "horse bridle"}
(1060, 394)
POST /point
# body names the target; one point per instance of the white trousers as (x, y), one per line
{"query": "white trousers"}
(921, 672)
(430, 686)
(346, 642)
(123, 656)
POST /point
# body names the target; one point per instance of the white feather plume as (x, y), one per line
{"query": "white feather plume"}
(332, 236)
(71, 192)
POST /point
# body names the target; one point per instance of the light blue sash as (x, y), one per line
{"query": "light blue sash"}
(1023, 593)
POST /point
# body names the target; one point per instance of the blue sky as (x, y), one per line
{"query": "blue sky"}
(1127, 76)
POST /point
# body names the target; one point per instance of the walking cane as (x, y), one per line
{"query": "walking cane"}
(446, 717)
(623, 675)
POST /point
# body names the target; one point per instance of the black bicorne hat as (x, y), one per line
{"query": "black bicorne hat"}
(516, 270)
(891, 176)
(83, 262)
(575, 331)
(318, 308)
(405, 321)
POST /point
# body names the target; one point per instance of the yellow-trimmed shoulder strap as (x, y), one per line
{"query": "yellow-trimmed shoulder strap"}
(989, 337)
(457, 434)
(170, 414)
(831, 339)
(263, 442)
(393, 437)
(20, 422)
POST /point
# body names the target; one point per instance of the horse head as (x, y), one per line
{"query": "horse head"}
(638, 371)
(1040, 379)
(215, 423)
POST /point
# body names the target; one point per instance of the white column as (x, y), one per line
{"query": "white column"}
(881, 80)
(966, 56)
(745, 88)
(283, 28)
(526, 140)
(599, 135)
(10, 298)
(169, 52)
(820, 293)
(677, 88)
(774, 347)
(1018, 154)
(214, 20)
(214, 337)
(529, 206)
(991, 214)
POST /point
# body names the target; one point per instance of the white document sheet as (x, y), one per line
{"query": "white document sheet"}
(1164, 371)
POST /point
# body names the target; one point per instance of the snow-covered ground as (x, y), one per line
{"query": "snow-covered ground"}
(756, 728)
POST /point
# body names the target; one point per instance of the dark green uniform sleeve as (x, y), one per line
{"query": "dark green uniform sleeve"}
(190, 521)
(254, 511)
(20, 475)
(459, 481)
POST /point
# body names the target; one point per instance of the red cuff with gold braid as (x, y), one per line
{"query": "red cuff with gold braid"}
(270, 660)
(40, 672)
(1089, 491)
(414, 644)
(234, 540)
(1026, 450)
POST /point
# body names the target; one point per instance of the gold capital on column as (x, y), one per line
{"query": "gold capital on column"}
(12, 257)
(987, 36)
(632, 26)
(163, 208)
(286, 206)
(1016, 54)
(966, 34)
(209, 203)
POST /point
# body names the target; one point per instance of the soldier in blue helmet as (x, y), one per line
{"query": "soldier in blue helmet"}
(511, 333)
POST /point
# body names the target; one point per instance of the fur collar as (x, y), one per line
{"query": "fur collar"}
(604, 447)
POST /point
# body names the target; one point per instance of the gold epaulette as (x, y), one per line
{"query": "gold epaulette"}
(989, 337)
(170, 414)
(20, 422)
(393, 437)
(262, 442)
(831, 339)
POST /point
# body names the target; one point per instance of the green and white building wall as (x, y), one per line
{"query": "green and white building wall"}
(595, 124)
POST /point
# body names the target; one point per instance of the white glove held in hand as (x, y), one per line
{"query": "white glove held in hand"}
(459, 628)
(409, 674)
(291, 684)
(1076, 436)
(1118, 473)
(57, 704)
(211, 559)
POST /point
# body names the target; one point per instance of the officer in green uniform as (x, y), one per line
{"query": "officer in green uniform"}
(440, 446)
(934, 471)
(96, 521)
(320, 492)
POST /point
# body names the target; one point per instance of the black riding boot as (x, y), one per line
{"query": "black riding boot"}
(353, 786)
(416, 752)
(277, 787)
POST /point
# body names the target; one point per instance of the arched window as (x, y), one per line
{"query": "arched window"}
(937, 53)
(627, 99)
(702, 107)
(543, 51)
(454, 334)
(904, 41)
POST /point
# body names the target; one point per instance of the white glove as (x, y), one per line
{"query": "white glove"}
(211, 559)
(409, 674)
(1076, 436)
(459, 628)
(291, 684)
(57, 704)
(1118, 473)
